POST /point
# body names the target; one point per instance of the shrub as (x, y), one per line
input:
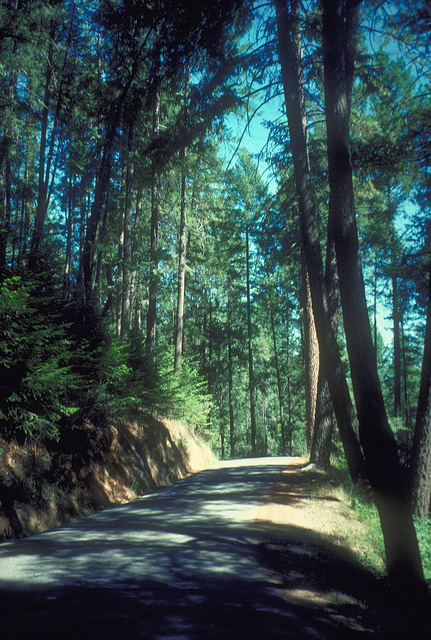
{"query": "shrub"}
(34, 363)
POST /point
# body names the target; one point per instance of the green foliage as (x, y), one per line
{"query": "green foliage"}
(56, 354)
(423, 532)
(373, 553)
(182, 395)
(122, 384)
(34, 363)
(130, 380)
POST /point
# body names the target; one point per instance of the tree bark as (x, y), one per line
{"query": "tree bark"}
(293, 84)
(154, 232)
(5, 208)
(90, 262)
(127, 257)
(230, 376)
(397, 346)
(42, 197)
(250, 347)
(182, 246)
(382, 463)
(420, 461)
(69, 234)
(324, 425)
(311, 356)
(48, 157)
(278, 375)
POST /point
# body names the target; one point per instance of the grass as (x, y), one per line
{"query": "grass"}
(423, 531)
(371, 549)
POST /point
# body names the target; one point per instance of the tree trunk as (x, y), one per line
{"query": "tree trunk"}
(382, 463)
(293, 83)
(48, 156)
(42, 197)
(320, 453)
(69, 234)
(82, 225)
(323, 428)
(420, 461)
(230, 376)
(154, 232)
(127, 257)
(278, 374)
(89, 254)
(311, 356)
(182, 246)
(397, 347)
(250, 348)
(90, 261)
(5, 209)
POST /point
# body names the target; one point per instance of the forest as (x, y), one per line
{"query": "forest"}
(220, 212)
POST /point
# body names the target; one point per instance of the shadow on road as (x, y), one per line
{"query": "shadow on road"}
(182, 563)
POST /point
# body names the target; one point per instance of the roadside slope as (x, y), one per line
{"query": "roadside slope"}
(93, 468)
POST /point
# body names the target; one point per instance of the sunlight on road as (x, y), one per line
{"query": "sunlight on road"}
(198, 526)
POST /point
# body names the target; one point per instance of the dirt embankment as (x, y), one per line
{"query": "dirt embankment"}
(91, 469)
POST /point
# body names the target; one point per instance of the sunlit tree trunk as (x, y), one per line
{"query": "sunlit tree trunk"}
(311, 356)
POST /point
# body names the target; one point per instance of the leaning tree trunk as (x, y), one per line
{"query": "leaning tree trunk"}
(380, 451)
(293, 84)
(324, 424)
(420, 462)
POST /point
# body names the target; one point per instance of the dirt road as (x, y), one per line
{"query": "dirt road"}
(189, 562)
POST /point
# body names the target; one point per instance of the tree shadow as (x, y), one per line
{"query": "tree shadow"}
(327, 582)
(186, 563)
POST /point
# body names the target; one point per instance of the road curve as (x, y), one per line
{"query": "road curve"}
(178, 564)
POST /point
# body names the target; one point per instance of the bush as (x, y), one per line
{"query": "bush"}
(34, 363)
(180, 395)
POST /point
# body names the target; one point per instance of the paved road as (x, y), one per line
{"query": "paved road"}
(178, 564)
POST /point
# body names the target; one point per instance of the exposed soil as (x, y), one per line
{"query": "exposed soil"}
(312, 552)
(93, 467)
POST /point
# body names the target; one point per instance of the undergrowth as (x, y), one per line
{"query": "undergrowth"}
(372, 549)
